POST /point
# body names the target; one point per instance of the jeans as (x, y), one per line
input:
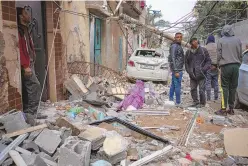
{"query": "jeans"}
(176, 87)
(212, 82)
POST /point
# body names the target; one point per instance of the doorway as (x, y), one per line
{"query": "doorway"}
(37, 27)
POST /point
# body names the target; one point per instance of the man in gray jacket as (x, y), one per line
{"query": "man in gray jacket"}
(212, 74)
(229, 59)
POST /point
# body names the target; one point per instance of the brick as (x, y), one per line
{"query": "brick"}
(75, 153)
(5, 9)
(12, 103)
(11, 97)
(19, 107)
(17, 95)
(12, 11)
(18, 101)
(12, 17)
(49, 4)
(48, 140)
(12, 4)
(5, 16)
(11, 90)
(5, 3)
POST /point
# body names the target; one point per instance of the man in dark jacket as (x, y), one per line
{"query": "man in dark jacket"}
(197, 63)
(30, 84)
(176, 60)
(229, 59)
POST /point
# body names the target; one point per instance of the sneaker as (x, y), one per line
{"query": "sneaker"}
(221, 112)
(200, 105)
(230, 111)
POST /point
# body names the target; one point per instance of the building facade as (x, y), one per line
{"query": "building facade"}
(64, 32)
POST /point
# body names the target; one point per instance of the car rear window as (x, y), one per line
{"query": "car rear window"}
(147, 53)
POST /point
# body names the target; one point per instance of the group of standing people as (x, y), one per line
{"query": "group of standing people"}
(204, 65)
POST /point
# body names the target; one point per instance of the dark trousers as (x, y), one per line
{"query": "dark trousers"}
(31, 91)
(229, 83)
(212, 82)
(193, 85)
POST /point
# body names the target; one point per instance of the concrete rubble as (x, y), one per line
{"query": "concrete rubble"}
(70, 137)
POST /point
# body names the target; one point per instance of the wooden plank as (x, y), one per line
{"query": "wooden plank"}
(15, 143)
(236, 142)
(23, 131)
(151, 157)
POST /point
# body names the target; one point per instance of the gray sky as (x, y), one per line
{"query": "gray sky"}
(172, 10)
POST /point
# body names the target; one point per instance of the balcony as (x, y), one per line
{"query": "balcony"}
(97, 8)
(132, 8)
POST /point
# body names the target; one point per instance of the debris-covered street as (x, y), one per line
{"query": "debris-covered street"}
(79, 133)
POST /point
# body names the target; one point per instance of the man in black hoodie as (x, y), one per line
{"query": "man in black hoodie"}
(197, 63)
(176, 60)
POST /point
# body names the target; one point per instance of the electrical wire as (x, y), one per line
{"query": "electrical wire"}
(203, 20)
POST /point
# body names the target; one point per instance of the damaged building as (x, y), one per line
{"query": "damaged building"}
(64, 32)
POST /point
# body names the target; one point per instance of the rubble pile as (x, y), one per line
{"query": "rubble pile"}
(104, 124)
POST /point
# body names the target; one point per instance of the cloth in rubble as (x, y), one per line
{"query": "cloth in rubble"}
(135, 98)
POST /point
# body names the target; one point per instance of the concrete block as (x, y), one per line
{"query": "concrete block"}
(34, 134)
(65, 133)
(48, 141)
(115, 147)
(219, 120)
(63, 122)
(14, 121)
(95, 135)
(31, 146)
(46, 156)
(75, 153)
(33, 160)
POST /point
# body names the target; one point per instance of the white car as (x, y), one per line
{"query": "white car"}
(147, 64)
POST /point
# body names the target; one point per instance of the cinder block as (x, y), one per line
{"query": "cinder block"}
(75, 153)
(14, 121)
(95, 135)
(48, 141)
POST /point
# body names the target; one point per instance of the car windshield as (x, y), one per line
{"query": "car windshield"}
(245, 58)
(148, 53)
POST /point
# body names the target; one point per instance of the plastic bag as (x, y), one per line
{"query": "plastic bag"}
(135, 98)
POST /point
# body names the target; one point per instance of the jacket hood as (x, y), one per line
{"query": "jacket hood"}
(227, 31)
(210, 39)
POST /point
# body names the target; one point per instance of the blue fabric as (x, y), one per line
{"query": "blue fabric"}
(210, 39)
(176, 88)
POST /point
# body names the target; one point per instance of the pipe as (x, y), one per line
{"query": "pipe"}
(150, 28)
(17, 158)
(118, 6)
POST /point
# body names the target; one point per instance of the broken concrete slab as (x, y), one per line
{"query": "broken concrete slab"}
(12, 145)
(200, 155)
(48, 140)
(184, 162)
(236, 142)
(34, 134)
(65, 133)
(219, 152)
(8, 162)
(33, 160)
(31, 146)
(14, 121)
(115, 147)
(95, 135)
(63, 122)
(76, 87)
(18, 160)
(75, 153)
